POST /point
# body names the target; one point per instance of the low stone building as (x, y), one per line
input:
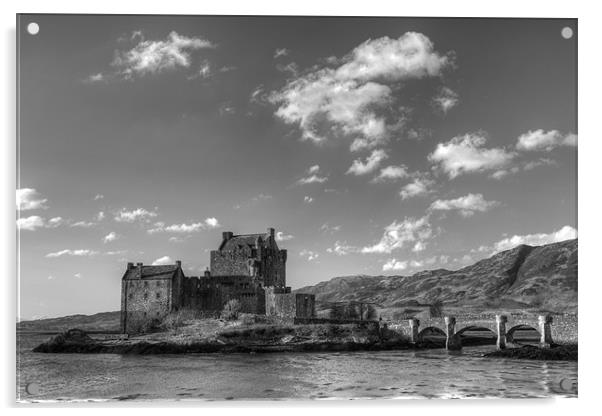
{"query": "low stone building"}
(249, 267)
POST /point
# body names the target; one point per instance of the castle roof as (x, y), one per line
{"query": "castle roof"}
(242, 240)
(155, 272)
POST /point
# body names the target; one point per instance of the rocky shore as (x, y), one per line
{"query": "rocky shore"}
(568, 352)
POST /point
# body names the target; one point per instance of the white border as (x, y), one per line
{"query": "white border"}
(590, 150)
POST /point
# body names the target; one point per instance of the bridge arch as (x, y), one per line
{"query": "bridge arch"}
(431, 330)
(523, 327)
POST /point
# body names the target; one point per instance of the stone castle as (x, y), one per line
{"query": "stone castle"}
(250, 268)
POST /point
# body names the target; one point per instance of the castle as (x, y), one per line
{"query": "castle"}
(250, 268)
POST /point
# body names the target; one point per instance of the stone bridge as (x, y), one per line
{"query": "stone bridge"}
(501, 325)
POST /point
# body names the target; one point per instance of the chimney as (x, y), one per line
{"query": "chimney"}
(179, 263)
(139, 266)
(207, 272)
(271, 232)
(226, 235)
(130, 266)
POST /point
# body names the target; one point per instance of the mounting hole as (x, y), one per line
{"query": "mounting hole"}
(32, 388)
(33, 28)
(566, 32)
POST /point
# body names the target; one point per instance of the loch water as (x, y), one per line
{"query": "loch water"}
(433, 373)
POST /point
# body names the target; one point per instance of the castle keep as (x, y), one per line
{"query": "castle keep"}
(250, 268)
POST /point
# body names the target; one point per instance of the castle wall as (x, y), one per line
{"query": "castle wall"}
(230, 263)
(288, 305)
(144, 300)
(211, 293)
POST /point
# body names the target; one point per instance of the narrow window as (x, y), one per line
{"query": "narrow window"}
(158, 295)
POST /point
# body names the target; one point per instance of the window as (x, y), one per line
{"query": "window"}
(145, 296)
(158, 295)
(131, 296)
(158, 283)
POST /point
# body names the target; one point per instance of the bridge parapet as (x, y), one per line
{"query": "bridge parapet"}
(502, 325)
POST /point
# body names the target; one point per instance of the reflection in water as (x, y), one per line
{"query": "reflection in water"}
(386, 374)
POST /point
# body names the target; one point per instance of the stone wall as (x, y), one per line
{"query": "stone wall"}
(211, 293)
(281, 303)
(230, 263)
(144, 300)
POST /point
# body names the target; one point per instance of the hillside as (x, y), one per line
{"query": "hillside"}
(525, 277)
(104, 321)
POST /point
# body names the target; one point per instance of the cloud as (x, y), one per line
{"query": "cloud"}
(467, 205)
(31, 223)
(308, 199)
(372, 162)
(280, 236)
(398, 234)
(391, 173)
(83, 224)
(98, 197)
(68, 252)
(312, 175)
(309, 255)
(418, 187)
(100, 216)
(281, 52)
(154, 57)
(29, 198)
(342, 249)
(55, 222)
(77, 275)
(418, 247)
(185, 228)
(565, 233)
(540, 162)
(330, 229)
(138, 214)
(95, 78)
(161, 261)
(466, 154)
(347, 99)
(110, 237)
(394, 264)
(445, 100)
(540, 140)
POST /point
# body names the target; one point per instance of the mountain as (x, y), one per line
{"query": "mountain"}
(104, 321)
(525, 277)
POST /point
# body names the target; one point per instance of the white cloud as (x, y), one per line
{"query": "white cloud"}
(29, 198)
(341, 248)
(212, 222)
(98, 197)
(68, 252)
(540, 162)
(280, 236)
(55, 222)
(546, 141)
(391, 173)
(466, 154)
(418, 247)
(467, 205)
(446, 100)
(185, 228)
(394, 264)
(312, 175)
(565, 233)
(77, 275)
(93, 78)
(161, 261)
(112, 236)
(309, 255)
(280, 52)
(153, 57)
(31, 223)
(100, 216)
(418, 187)
(330, 229)
(138, 214)
(83, 224)
(308, 199)
(397, 234)
(372, 162)
(345, 99)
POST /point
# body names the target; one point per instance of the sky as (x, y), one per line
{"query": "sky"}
(378, 146)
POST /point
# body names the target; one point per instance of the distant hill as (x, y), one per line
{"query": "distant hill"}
(104, 321)
(525, 277)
